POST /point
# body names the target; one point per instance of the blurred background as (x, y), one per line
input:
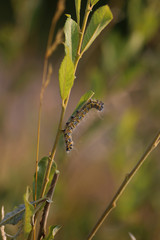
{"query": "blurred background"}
(123, 67)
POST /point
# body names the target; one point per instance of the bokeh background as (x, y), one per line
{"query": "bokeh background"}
(123, 68)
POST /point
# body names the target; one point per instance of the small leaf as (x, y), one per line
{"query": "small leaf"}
(29, 211)
(71, 30)
(14, 217)
(17, 214)
(93, 2)
(78, 7)
(83, 100)
(99, 20)
(66, 76)
(52, 232)
(42, 165)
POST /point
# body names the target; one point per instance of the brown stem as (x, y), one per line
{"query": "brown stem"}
(58, 13)
(43, 223)
(123, 186)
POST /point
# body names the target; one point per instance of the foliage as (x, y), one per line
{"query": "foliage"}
(128, 62)
(42, 165)
(76, 42)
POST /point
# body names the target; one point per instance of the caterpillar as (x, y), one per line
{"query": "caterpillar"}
(76, 118)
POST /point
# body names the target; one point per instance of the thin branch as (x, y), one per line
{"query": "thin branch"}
(43, 223)
(39, 124)
(123, 186)
(87, 12)
(51, 158)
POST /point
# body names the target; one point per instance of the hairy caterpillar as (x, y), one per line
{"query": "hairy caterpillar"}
(76, 118)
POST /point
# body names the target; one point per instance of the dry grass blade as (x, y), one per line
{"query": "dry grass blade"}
(57, 41)
(59, 11)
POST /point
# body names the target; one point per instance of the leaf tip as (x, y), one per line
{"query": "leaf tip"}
(68, 15)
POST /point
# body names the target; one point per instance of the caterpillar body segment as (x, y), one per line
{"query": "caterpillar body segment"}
(76, 119)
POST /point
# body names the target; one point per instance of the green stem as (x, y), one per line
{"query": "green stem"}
(39, 122)
(64, 105)
(51, 157)
(123, 186)
(87, 12)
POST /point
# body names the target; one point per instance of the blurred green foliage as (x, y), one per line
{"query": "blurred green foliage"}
(123, 69)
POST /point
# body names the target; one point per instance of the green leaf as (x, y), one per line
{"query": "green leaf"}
(14, 217)
(93, 2)
(17, 214)
(99, 20)
(78, 7)
(66, 76)
(71, 31)
(52, 232)
(42, 165)
(29, 211)
(83, 100)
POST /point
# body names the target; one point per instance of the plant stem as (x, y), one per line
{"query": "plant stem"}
(39, 124)
(49, 50)
(43, 223)
(49, 47)
(87, 12)
(123, 186)
(51, 157)
(88, 9)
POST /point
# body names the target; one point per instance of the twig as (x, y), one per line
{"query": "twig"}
(123, 186)
(3, 234)
(43, 223)
(87, 12)
(51, 158)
